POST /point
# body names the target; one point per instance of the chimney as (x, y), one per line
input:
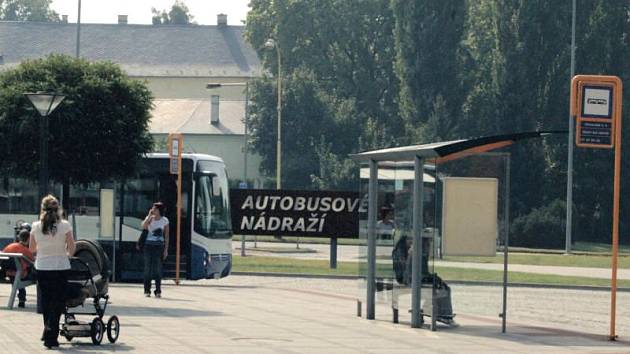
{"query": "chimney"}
(214, 110)
(64, 18)
(122, 19)
(221, 20)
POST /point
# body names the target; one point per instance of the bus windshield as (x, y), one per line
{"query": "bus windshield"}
(212, 208)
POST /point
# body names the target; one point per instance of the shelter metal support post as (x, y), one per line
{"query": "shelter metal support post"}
(333, 252)
(506, 242)
(371, 271)
(416, 272)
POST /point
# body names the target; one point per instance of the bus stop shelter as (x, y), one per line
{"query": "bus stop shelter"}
(435, 153)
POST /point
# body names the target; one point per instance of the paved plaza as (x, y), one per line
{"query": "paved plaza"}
(256, 314)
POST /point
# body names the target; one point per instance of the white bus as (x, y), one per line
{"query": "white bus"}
(206, 230)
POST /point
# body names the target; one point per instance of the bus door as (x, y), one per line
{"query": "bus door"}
(167, 193)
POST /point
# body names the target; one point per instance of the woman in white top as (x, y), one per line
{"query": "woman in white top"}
(155, 247)
(52, 240)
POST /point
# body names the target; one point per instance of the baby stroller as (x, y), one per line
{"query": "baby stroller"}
(88, 278)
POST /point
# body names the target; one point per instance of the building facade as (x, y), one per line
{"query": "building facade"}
(177, 62)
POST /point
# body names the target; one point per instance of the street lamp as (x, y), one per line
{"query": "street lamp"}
(214, 85)
(45, 103)
(270, 44)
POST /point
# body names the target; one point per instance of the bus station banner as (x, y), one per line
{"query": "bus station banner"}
(295, 213)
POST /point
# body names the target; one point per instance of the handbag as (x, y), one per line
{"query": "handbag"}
(142, 238)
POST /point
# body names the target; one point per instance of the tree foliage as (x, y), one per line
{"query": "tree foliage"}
(98, 132)
(388, 73)
(427, 38)
(27, 10)
(179, 14)
(343, 51)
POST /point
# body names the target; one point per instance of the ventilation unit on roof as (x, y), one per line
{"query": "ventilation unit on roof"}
(221, 20)
(214, 110)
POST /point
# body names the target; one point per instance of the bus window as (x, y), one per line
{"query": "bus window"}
(139, 195)
(212, 214)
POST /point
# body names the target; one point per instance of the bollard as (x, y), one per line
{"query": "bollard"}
(333, 253)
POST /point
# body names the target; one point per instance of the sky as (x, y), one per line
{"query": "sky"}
(139, 11)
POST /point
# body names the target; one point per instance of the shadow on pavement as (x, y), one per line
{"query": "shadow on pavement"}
(217, 286)
(481, 327)
(141, 311)
(88, 347)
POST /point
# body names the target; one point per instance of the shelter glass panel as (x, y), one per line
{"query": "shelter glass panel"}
(394, 235)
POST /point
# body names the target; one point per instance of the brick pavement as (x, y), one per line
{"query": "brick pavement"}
(279, 315)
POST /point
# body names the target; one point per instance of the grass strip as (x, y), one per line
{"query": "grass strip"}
(561, 260)
(303, 266)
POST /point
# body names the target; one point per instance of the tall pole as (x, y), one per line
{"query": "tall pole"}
(78, 29)
(43, 156)
(245, 147)
(371, 244)
(616, 197)
(506, 241)
(279, 108)
(246, 132)
(416, 255)
(179, 212)
(569, 224)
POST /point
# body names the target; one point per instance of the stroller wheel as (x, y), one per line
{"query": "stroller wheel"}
(97, 328)
(113, 329)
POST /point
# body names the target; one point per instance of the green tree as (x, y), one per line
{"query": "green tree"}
(516, 78)
(27, 10)
(98, 133)
(301, 136)
(347, 50)
(603, 44)
(428, 37)
(179, 14)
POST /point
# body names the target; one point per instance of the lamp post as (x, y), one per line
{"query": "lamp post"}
(270, 44)
(45, 103)
(213, 85)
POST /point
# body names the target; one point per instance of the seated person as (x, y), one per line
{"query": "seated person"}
(400, 258)
(19, 226)
(20, 246)
(402, 263)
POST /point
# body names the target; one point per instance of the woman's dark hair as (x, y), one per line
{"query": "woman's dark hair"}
(161, 207)
(49, 215)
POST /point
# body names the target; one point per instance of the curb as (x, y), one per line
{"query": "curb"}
(297, 275)
(457, 282)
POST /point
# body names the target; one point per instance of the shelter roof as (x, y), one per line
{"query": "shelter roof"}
(448, 150)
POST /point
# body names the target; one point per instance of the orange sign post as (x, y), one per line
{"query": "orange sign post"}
(175, 147)
(596, 105)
